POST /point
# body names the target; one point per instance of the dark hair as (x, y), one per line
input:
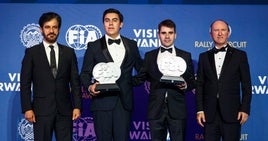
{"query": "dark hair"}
(168, 23)
(112, 10)
(217, 21)
(49, 16)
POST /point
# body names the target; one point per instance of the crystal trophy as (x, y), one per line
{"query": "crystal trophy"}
(172, 67)
(106, 74)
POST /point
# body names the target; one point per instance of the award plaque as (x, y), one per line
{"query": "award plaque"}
(106, 74)
(172, 67)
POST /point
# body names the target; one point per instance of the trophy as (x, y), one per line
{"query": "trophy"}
(172, 67)
(106, 74)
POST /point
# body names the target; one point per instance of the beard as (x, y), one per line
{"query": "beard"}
(51, 37)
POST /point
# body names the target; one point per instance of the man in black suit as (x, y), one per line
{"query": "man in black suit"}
(111, 109)
(50, 70)
(222, 72)
(167, 106)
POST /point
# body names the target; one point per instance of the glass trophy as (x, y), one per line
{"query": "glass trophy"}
(172, 67)
(106, 74)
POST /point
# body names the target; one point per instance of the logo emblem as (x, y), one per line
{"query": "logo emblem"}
(77, 36)
(83, 129)
(31, 35)
(25, 129)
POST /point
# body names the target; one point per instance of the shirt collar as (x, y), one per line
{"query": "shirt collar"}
(172, 46)
(109, 37)
(223, 46)
(46, 44)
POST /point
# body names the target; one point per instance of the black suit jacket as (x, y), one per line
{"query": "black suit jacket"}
(50, 95)
(97, 52)
(176, 98)
(235, 76)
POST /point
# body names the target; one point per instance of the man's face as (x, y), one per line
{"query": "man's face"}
(167, 36)
(219, 33)
(50, 31)
(112, 24)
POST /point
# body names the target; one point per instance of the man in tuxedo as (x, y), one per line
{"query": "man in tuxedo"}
(112, 108)
(50, 85)
(167, 106)
(222, 73)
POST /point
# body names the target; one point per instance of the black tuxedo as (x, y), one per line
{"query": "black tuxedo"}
(175, 102)
(49, 95)
(97, 52)
(223, 96)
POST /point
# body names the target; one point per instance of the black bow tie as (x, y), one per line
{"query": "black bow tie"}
(215, 50)
(117, 41)
(163, 49)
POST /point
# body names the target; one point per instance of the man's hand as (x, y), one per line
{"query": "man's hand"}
(30, 116)
(182, 86)
(92, 88)
(76, 114)
(201, 119)
(243, 117)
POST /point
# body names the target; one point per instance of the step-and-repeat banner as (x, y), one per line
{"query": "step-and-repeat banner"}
(83, 23)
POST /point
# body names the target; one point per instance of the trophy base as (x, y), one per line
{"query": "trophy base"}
(172, 80)
(107, 87)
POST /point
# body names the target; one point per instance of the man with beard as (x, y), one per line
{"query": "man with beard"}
(50, 86)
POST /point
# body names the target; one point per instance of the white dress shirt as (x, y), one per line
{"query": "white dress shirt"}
(48, 49)
(219, 58)
(117, 51)
(166, 53)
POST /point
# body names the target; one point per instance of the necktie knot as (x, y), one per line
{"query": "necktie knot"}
(51, 46)
(117, 41)
(163, 49)
(215, 50)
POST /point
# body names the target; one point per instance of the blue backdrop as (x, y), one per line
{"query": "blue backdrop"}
(83, 23)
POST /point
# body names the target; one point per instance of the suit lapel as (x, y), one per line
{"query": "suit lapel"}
(127, 48)
(211, 60)
(60, 59)
(227, 59)
(155, 68)
(105, 51)
(43, 54)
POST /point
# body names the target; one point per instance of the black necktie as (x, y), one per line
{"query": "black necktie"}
(53, 61)
(166, 49)
(215, 50)
(117, 41)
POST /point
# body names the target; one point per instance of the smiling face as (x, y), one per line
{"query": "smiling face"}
(50, 30)
(219, 33)
(112, 24)
(167, 36)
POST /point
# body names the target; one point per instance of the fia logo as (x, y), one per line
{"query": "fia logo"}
(77, 36)
(83, 129)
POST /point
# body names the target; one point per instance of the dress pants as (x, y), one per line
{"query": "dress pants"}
(219, 130)
(160, 127)
(112, 125)
(60, 124)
